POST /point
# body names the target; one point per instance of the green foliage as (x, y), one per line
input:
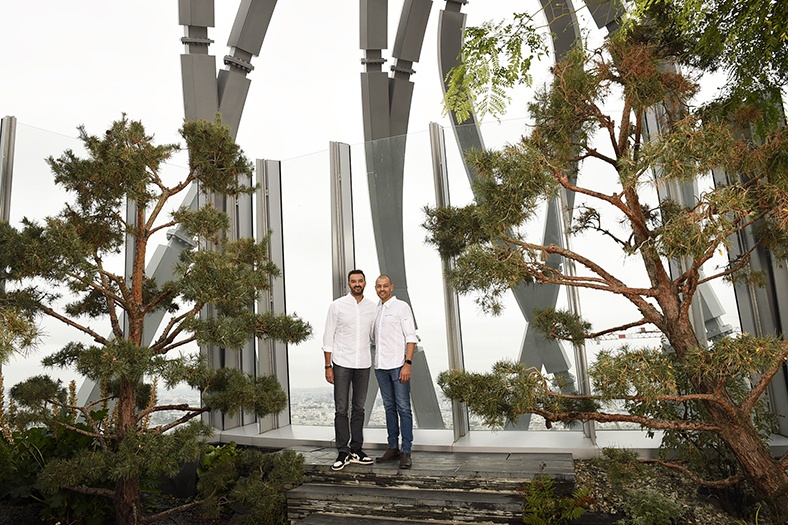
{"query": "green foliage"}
(230, 391)
(17, 330)
(509, 391)
(643, 506)
(649, 507)
(747, 40)
(23, 462)
(542, 506)
(579, 147)
(494, 57)
(560, 324)
(58, 269)
(622, 466)
(248, 484)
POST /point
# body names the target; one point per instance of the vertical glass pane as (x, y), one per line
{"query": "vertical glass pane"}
(488, 339)
(306, 210)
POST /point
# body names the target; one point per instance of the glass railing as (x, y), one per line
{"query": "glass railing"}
(401, 249)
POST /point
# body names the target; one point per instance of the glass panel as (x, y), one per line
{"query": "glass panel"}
(396, 175)
(35, 196)
(488, 339)
(306, 210)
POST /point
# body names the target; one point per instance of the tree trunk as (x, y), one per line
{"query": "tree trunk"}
(127, 490)
(127, 501)
(763, 471)
(738, 432)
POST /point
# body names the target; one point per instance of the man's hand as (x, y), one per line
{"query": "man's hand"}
(404, 373)
(330, 375)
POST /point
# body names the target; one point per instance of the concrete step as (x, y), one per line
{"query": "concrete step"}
(409, 503)
(344, 519)
(445, 470)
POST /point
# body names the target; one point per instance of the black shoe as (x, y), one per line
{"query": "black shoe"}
(359, 457)
(391, 453)
(404, 460)
(342, 459)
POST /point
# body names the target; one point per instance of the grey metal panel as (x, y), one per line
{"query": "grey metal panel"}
(196, 13)
(375, 102)
(200, 94)
(7, 145)
(386, 108)
(401, 96)
(373, 22)
(385, 164)
(233, 88)
(461, 424)
(242, 216)
(251, 25)
(563, 25)
(606, 13)
(343, 248)
(761, 309)
(272, 355)
(410, 31)
(426, 410)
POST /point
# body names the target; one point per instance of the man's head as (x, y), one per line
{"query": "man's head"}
(356, 283)
(384, 287)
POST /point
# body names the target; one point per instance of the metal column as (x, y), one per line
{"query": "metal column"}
(272, 354)
(7, 143)
(459, 411)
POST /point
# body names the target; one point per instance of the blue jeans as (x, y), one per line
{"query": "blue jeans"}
(396, 402)
(349, 432)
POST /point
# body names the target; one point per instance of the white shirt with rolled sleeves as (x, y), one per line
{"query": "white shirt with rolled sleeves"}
(394, 328)
(349, 330)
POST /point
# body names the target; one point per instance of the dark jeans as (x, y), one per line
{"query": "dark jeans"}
(349, 432)
(396, 402)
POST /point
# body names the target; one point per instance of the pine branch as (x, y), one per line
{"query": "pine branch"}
(169, 512)
(84, 329)
(763, 382)
(92, 491)
(717, 484)
(164, 428)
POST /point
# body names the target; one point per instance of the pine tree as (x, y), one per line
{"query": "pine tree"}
(58, 269)
(697, 393)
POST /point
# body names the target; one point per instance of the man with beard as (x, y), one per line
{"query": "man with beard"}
(346, 348)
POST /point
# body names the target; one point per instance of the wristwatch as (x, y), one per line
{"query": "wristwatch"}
(408, 361)
(328, 366)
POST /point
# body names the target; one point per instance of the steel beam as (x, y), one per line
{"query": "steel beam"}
(440, 174)
(272, 354)
(7, 145)
(386, 103)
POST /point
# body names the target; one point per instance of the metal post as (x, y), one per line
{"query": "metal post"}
(7, 142)
(272, 354)
(343, 247)
(459, 411)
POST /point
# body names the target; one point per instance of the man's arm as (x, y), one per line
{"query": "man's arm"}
(409, 331)
(404, 373)
(328, 342)
(329, 368)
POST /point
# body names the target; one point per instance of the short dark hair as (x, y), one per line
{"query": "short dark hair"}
(356, 272)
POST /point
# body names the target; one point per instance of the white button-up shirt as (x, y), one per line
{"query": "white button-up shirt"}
(349, 329)
(394, 328)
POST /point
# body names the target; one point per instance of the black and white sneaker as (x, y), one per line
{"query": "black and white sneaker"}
(342, 459)
(359, 457)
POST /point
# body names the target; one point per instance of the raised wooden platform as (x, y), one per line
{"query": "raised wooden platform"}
(440, 488)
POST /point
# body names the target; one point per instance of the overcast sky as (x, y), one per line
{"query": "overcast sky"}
(87, 61)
